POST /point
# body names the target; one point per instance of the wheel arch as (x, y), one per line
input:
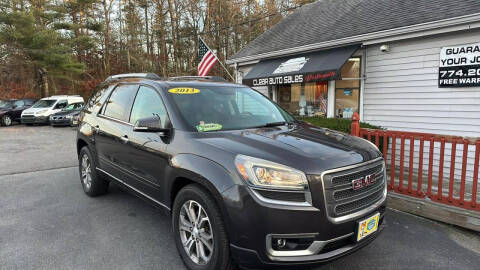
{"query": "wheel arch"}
(209, 175)
(80, 144)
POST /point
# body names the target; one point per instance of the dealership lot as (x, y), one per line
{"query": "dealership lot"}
(46, 222)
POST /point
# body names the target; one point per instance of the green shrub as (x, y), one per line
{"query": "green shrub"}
(340, 124)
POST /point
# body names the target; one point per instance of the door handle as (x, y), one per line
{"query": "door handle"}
(124, 139)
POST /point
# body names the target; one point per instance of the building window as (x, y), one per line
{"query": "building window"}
(347, 90)
(308, 99)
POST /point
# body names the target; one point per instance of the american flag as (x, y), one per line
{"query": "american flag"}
(206, 59)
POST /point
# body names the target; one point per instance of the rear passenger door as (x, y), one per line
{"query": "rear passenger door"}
(146, 158)
(111, 129)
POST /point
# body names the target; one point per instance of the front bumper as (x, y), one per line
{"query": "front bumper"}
(60, 122)
(251, 259)
(32, 119)
(253, 224)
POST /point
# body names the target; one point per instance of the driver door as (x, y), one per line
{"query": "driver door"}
(146, 158)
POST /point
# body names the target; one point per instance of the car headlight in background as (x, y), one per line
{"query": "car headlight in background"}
(69, 117)
(266, 174)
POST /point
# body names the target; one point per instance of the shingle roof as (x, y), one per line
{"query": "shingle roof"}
(327, 20)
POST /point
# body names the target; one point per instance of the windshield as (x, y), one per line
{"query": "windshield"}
(6, 104)
(44, 103)
(227, 108)
(72, 107)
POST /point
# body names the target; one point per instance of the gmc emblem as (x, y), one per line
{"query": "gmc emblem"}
(363, 182)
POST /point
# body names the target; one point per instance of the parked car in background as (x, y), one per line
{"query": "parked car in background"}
(66, 116)
(40, 112)
(11, 110)
(243, 180)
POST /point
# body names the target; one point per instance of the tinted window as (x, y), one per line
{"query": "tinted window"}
(94, 102)
(29, 102)
(120, 101)
(148, 103)
(61, 104)
(18, 103)
(6, 104)
(73, 106)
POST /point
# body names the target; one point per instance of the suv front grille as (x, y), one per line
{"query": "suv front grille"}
(348, 178)
(341, 199)
(359, 204)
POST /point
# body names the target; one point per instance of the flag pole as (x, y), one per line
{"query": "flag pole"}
(217, 59)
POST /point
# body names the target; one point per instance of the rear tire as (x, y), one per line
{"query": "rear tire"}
(6, 120)
(93, 184)
(209, 231)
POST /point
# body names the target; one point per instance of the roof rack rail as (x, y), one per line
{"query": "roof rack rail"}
(198, 78)
(151, 76)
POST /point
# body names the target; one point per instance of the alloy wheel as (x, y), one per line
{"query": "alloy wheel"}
(7, 121)
(196, 232)
(86, 171)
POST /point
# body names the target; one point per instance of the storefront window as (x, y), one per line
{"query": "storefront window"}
(347, 90)
(304, 99)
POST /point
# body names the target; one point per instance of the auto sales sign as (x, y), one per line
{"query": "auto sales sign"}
(459, 66)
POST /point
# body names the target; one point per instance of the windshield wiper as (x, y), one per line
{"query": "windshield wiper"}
(275, 124)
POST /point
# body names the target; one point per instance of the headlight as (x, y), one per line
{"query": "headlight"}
(68, 117)
(41, 112)
(263, 173)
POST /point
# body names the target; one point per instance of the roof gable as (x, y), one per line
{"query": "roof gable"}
(327, 20)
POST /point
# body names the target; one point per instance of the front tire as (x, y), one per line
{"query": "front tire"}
(199, 231)
(6, 120)
(93, 184)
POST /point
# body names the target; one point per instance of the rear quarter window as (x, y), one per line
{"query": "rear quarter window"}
(97, 98)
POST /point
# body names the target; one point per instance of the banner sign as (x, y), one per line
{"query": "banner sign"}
(289, 79)
(459, 66)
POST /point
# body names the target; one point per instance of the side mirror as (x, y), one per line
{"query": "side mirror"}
(150, 124)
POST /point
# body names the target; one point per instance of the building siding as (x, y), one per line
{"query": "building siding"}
(401, 89)
(401, 93)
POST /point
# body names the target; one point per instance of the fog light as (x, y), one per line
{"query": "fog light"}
(281, 242)
(285, 244)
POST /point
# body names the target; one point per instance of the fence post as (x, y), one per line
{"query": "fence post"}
(355, 128)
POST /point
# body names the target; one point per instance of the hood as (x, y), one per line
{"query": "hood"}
(301, 146)
(34, 110)
(65, 113)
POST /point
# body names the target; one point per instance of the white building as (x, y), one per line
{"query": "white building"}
(386, 59)
(411, 65)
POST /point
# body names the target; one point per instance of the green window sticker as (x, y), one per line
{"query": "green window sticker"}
(208, 127)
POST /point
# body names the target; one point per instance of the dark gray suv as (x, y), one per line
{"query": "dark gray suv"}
(245, 183)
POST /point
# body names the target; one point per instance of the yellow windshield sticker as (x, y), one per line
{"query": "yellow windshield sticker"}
(184, 91)
(208, 127)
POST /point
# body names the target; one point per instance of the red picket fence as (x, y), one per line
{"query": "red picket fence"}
(413, 176)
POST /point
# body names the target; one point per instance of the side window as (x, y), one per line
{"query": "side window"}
(61, 104)
(120, 102)
(148, 103)
(95, 101)
(18, 104)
